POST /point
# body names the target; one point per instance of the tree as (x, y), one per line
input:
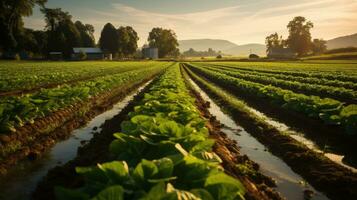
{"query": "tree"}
(192, 53)
(319, 46)
(274, 41)
(109, 39)
(86, 32)
(299, 39)
(11, 13)
(32, 41)
(63, 35)
(128, 41)
(41, 40)
(165, 40)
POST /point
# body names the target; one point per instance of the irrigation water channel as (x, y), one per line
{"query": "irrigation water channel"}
(289, 184)
(22, 179)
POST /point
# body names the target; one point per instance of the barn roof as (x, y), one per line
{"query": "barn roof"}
(87, 50)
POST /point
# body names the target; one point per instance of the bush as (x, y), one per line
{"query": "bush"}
(253, 56)
(82, 55)
(219, 57)
(17, 57)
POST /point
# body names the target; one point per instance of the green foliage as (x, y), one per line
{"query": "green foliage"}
(128, 41)
(16, 111)
(11, 23)
(192, 53)
(274, 41)
(165, 40)
(325, 109)
(109, 39)
(299, 38)
(86, 32)
(333, 92)
(319, 46)
(340, 79)
(164, 152)
(348, 116)
(33, 75)
(63, 33)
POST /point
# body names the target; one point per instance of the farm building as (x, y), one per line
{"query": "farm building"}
(281, 53)
(152, 53)
(92, 53)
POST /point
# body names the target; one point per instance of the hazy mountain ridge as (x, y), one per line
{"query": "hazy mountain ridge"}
(343, 41)
(231, 48)
(204, 44)
(225, 46)
(246, 49)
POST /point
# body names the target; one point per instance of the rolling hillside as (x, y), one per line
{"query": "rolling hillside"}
(245, 50)
(344, 41)
(225, 46)
(204, 44)
(231, 48)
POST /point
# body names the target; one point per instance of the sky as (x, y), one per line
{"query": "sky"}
(239, 21)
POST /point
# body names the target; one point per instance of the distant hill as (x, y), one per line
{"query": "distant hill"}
(341, 42)
(204, 44)
(246, 49)
(231, 48)
(225, 46)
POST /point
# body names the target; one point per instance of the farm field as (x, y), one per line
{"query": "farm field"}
(24, 119)
(240, 99)
(19, 77)
(167, 142)
(322, 110)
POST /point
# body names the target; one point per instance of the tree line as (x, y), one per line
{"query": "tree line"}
(193, 53)
(299, 39)
(61, 34)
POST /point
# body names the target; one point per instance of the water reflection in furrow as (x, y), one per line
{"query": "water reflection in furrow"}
(289, 184)
(22, 179)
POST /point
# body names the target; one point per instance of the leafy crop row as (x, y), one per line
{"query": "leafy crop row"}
(29, 75)
(331, 75)
(299, 157)
(310, 80)
(338, 93)
(328, 110)
(16, 111)
(163, 152)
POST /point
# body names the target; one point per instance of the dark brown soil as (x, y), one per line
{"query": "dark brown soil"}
(335, 181)
(34, 139)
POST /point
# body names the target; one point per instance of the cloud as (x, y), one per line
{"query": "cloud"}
(244, 23)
